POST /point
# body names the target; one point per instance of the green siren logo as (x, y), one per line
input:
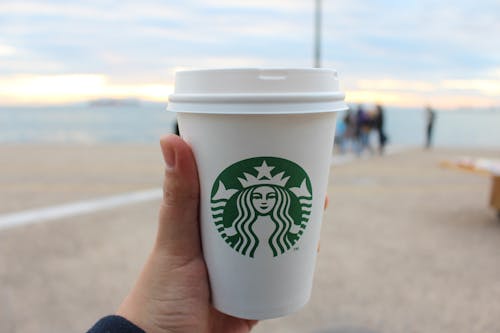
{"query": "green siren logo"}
(261, 202)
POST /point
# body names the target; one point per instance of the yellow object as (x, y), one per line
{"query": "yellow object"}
(495, 193)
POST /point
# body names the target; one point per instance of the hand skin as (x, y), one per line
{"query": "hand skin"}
(172, 292)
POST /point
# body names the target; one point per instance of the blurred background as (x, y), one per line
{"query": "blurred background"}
(83, 91)
(61, 61)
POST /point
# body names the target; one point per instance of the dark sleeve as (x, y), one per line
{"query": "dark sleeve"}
(114, 324)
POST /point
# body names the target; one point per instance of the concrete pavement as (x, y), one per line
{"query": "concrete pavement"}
(406, 246)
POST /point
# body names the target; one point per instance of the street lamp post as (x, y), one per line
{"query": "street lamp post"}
(317, 35)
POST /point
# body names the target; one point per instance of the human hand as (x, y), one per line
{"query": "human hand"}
(172, 292)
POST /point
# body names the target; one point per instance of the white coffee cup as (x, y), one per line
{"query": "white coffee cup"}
(262, 140)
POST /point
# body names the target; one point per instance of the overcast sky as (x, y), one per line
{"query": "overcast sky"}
(396, 52)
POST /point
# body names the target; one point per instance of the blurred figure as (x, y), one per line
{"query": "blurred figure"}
(350, 131)
(363, 128)
(339, 142)
(378, 124)
(430, 118)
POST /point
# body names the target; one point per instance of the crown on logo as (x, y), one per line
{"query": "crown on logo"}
(263, 177)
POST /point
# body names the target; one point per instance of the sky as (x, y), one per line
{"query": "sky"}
(403, 53)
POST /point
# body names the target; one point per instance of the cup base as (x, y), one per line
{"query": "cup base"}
(263, 312)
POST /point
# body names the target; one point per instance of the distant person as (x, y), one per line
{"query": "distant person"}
(339, 142)
(364, 126)
(350, 131)
(430, 118)
(378, 123)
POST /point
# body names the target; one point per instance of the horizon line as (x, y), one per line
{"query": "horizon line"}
(135, 101)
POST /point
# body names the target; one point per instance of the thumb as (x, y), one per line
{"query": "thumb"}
(178, 230)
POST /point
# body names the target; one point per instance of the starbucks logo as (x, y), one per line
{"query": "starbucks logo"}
(261, 202)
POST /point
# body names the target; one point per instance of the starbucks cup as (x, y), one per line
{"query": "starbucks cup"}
(262, 140)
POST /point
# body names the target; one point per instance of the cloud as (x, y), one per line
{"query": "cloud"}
(441, 100)
(281, 5)
(426, 39)
(7, 50)
(95, 10)
(398, 51)
(49, 89)
(444, 94)
(218, 61)
(486, 87)
(20, 63)
(396, 85)
(493, 72)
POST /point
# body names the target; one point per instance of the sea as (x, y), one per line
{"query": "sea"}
(145, 122)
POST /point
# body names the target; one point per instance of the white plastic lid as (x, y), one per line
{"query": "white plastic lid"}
(257, 91)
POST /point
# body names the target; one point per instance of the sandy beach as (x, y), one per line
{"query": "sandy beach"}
(406, 246)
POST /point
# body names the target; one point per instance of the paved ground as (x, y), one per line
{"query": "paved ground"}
(406, 246)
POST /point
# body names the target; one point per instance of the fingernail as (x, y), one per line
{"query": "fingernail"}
(169, 156)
